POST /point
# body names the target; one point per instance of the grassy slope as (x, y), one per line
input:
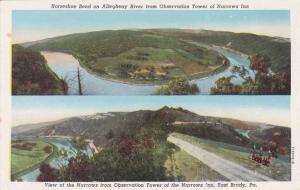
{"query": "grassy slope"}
(187, 168)
(22, 160)
(31, 75)
(279, 169)
(103, 52)
(277, 49)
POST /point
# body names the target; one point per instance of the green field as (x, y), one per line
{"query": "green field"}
(155, 64)
(280, 169)
(187, 168)
(27, 155)
(276, 48)
(137, 56)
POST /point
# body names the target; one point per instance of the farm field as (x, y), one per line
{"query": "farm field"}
(156, 64)
(26, 155)
(137, 56)
(278, 170)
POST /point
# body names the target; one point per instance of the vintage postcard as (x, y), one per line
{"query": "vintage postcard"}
(149, 94)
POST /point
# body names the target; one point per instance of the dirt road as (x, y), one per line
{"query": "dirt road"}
(228, 169)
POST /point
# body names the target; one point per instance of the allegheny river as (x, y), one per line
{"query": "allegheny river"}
(66, 66)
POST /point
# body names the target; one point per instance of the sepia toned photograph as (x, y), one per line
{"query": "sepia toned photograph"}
(215, 52)
(195, 138)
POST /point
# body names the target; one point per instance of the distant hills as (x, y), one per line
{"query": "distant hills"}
(278, 49)
(104, 128)
(89, 47)
(135, 55)
(154, 56)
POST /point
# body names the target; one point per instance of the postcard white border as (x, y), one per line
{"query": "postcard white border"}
(6, 8)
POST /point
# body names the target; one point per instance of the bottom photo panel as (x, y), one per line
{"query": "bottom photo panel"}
(150, 138)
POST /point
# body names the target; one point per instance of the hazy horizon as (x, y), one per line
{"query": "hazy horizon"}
(37, 25)
(263, 109)
(82, 115)
(142, 29)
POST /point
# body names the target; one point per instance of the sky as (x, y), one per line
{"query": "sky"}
(30, 25)
(267, 109)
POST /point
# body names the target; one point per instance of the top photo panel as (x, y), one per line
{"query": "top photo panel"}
(151, 52)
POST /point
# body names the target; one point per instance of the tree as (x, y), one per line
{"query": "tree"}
(78, 169)
(262, 80)
(225, 86)
(136, 157)
(110, 134)
(31, 75)
(64, 83)
(142, 164)
(282, 82)
(79, 142)
(48, 149)
(178, 86)
(79, 79)
(47, 173)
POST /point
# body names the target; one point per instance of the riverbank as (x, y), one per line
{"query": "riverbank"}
(109, 78)
(31, 74)
(213, 47)
(63, 85)
(49, 158)
(66, 65)
(217, 70)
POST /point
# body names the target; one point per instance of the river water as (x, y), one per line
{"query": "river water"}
(65, 66)
(55, 162)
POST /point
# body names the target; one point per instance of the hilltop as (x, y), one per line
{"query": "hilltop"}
(120, 124)
(153, 145)
(278, 49)
(120, 45)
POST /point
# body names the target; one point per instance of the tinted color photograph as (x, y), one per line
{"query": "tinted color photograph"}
(151, 52)
(151, 138)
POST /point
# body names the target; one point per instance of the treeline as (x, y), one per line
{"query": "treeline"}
(178, 86)
(259, 80)
(138, 153)
(276, 48)
(32, 76)
(217, 132)
(89, 47)
(139, 156)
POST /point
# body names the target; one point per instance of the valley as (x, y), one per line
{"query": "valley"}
(27, 155)
(158, 137)
(136, 56)
(142, 62)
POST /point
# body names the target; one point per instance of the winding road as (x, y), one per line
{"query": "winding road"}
(228, 169)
